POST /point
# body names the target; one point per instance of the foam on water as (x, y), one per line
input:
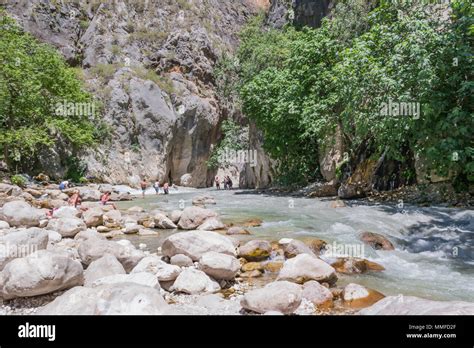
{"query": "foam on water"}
(434, 246)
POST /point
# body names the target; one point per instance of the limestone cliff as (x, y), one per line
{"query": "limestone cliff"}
(151, 64)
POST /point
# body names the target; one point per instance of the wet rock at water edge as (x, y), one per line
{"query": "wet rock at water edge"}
(193, 217)
(356, 265)
(237, 230)
(319, 295)
(358, 296)
(196, 243)
(255, 250)
(305, 267)
(293, 247)
(376, 241)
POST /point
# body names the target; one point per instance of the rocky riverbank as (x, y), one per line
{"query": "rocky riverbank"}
(75, 262)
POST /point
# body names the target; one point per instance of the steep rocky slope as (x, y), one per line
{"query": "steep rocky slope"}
(151, 64)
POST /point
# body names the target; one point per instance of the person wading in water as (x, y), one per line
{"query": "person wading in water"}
(143, 185)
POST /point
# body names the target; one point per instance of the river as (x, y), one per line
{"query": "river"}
(434, 246)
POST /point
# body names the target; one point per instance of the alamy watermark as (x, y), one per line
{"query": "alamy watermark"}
(238, 157)
(8, 250)
(396, 108)
(345, 250)
(66, 108)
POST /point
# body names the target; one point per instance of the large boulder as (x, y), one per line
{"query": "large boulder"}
(293, 247)
(20, 213)
(196, 243)
(66, 212)
(39, 273)
(255, 250)
(162, 221)
(109, 299)
(212, 224)
(376, 241)
(411, 305)
(21, 243)
(4, 225)
(93, 217)
(305, 267)
(219, 266)
(280, 296)
(175, 215)
(93, 248)
(142, 278)
(319, 295)
(67, 227)
(112, 219)
(89, 194)
(160, 269)
(105, 266)
(10, 190)
(192, 281)
(193, 217)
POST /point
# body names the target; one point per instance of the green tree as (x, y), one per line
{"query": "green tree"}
(34, 78)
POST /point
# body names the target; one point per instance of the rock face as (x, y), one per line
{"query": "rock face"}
(194, 244)
(280, 296)
(305, 267)
(20, 213)
(411, 305)
(219, 266)
(39, 273)
(109, 299)
(192, 281)
(153, 69)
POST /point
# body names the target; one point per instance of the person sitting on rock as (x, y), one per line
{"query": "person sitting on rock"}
(75, 199)
(104, 200)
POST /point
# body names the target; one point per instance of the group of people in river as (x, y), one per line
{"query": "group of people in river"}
(227, 182)
(156, 185)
